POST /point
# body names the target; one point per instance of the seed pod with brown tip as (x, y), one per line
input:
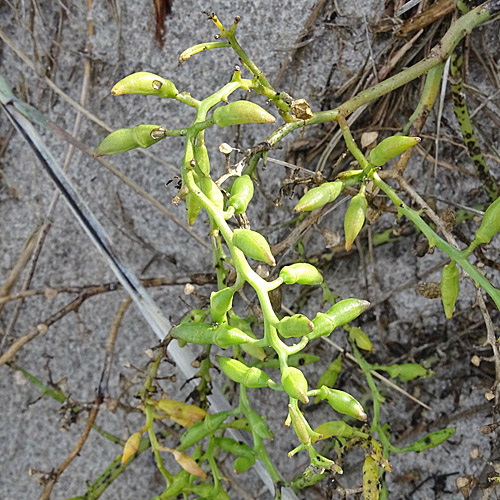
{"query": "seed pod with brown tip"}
(295, 384)
(146, 84)
(125, 139)
(343, 402)
(253, 245)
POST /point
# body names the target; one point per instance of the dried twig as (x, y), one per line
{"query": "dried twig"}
(74, 305)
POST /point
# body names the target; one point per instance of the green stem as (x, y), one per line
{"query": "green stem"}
(439, 54)
(458, 256)
(434, 240)
(424, 106)
(155, 447)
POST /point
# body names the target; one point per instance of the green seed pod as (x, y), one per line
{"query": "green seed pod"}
(255, 351)
(237, 448)
(193, 204)
(347, 310)
(336, 428)
(391, 147)
(301, 273)
(146, 84)
(297, 325)
(300, 425)
(239, 112)
(201, 159)
(193, 208)
(237, 371)
(253, 245)
(323, 326)
(431, 440)
(317, 197)
(342, 402)
(221, 302)
(194, 332)
(450, 287)
(294, 383)
(259, 426)
(202, 429)
(226, 335)
(339, 314)
(354, 219)
(360, 338)
(241, 194)
(490, 224)
(126, 139)
(212, 192)
(329, 376)
(407, 371)
(370, 479)
(204, 334)
(242, 464)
